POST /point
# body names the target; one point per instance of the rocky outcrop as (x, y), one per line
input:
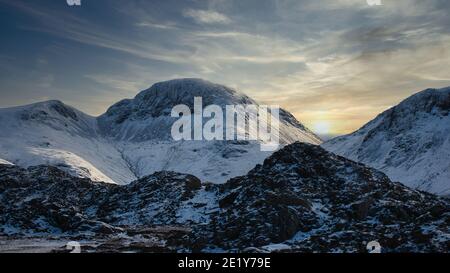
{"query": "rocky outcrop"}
(316, 201)
(304, 197)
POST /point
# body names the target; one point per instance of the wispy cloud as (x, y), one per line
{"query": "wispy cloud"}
(206, 16)
(336, 60)
(157, 25)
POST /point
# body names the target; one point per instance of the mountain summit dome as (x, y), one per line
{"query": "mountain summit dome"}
(147, 116)
(133, 138)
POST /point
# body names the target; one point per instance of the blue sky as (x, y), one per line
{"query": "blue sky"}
(334, 63)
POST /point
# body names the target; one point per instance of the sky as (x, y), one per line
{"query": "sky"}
(335, 64)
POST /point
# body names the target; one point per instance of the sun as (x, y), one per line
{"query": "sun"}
(322, 127)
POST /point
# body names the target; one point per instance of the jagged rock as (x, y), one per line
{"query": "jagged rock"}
(303, 197)
(318, 201)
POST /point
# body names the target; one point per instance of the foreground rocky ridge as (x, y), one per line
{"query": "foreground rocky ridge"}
(312, 200)
(302, 197)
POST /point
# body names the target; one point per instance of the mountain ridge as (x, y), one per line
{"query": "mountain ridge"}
(410, 142)
(132, 139)
(301, 199)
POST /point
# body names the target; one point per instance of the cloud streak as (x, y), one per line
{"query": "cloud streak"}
(206, 16)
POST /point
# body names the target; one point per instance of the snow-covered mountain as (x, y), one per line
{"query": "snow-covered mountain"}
(53, 133)
(132, 139)
(4, 162)
(409, 142)
(301, 199)
(147, 117)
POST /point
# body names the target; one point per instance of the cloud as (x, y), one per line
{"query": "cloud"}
(340, 61)
(206, 16)
(65, 25)
(166, 26)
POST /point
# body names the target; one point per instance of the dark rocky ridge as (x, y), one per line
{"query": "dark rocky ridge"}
(302, 196)
(338, 204)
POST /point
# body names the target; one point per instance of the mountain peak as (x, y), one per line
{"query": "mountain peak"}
(184, 82)
(311, 161)
(153, 106)
(430, 100)
(183, 91)
(49, 110)
(409, 142)
(133, 138)
(160, 98)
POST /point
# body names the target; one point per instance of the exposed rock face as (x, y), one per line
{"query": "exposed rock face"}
(48, 200)
(302, 196)
(317, 201)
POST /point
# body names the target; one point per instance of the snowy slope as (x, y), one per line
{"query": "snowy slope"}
(142, 126)
(409, 142)
(4, 162)
(132, 139)
(55, 134)
(147, 116)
